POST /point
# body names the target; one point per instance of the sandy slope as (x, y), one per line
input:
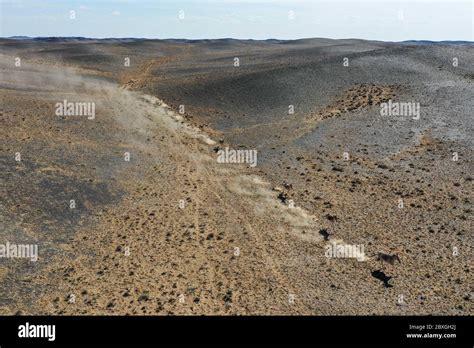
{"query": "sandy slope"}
(173, 251)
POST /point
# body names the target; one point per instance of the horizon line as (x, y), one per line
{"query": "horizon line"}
(16, 37)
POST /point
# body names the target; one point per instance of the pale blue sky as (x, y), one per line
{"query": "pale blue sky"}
(242, 19)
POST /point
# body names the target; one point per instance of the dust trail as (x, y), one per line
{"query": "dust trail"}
(190, 130)
(141, 114)
(253, 188)
(176, 161)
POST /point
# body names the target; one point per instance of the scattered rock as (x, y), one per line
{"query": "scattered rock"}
(228, 296)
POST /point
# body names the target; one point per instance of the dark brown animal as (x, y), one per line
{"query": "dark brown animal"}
(283, 197)
(324, 232)
(388, 258)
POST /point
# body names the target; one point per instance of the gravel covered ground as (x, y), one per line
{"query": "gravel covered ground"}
(173, 231)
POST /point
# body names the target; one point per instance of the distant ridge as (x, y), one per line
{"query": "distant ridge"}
(70, 39)
(221, 40)
(428, 42)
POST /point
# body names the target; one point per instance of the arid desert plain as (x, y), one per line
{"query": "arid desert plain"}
(236, 177)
